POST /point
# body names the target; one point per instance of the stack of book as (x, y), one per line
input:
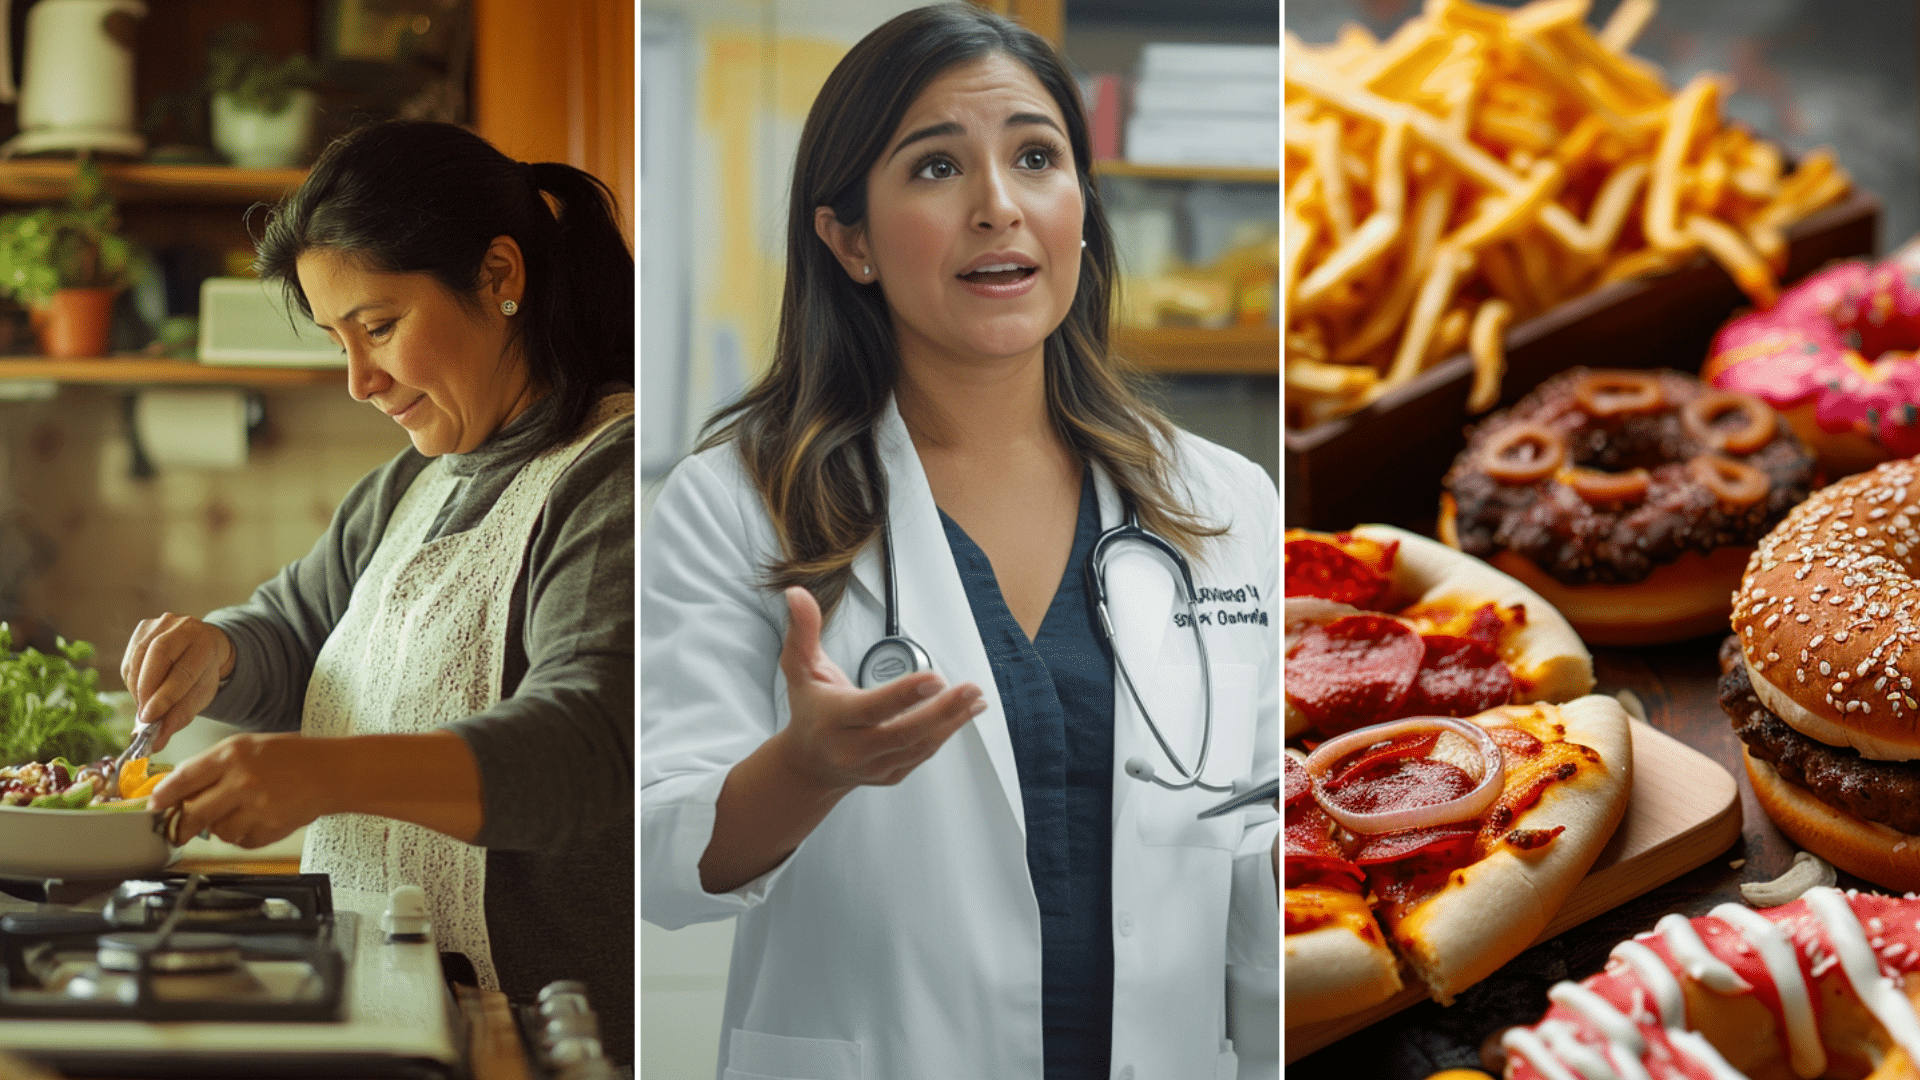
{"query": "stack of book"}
(1206, 105)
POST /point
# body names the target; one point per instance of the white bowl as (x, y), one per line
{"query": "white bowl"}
(80, 843)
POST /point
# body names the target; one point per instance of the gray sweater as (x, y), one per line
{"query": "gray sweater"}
(556, 752)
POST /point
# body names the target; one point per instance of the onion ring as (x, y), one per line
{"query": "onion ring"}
(1501, 456)
(1470, 805)
(1735, 484)
(1607, 394)
(1756, 421)
(1605, 489)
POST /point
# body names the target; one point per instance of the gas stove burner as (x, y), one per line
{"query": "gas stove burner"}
(148, 903)
(182, 953)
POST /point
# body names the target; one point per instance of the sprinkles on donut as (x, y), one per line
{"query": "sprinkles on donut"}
(1836, 356)
(1628, 499)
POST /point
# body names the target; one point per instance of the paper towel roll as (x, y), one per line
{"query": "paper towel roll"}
(198, 428)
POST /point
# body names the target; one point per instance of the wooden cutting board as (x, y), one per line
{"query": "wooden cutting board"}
(1684, 809)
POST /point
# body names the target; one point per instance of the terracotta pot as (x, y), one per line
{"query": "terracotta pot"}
(78, 323)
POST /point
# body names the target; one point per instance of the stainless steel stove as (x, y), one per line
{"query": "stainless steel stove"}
(244, 975)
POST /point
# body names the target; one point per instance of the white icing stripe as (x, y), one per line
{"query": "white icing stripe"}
(1697, 960)
(1659, 980)
(1807, 1056)
(1563, 1039)
(1628, 1065)
(1614, 1025)
(1884, 1000)
(1695, 1048)
(1530, 1049)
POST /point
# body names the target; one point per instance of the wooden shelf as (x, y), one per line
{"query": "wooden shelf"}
(1234, 350)
(1187, 172)
(47, 180)
(134, 370)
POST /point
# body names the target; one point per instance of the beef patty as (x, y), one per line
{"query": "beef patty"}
(1884, 791)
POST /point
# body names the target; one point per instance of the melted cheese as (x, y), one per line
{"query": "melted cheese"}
(1310, 907)
(1808, 1057)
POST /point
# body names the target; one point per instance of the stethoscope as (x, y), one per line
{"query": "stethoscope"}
(896, 654)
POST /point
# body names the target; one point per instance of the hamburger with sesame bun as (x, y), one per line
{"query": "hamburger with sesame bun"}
(1818, 678)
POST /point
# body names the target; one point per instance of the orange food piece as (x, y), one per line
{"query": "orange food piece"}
(146, 787)
(132, 775)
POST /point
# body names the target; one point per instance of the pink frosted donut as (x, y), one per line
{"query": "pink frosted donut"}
(1835, 357)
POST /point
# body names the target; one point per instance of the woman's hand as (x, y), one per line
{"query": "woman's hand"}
(249, 789)
(841, 736)
(173, 667)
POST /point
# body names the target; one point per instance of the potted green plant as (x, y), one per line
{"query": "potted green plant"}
(262, 106)
(65, 262)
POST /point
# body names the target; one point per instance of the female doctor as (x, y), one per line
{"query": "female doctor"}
(953, 874)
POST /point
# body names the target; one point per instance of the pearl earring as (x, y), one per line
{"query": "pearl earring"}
(1083, 243)
(866, 271)
(508, 307)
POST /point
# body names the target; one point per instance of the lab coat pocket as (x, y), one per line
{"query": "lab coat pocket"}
(1170, 817)
(756, 1055)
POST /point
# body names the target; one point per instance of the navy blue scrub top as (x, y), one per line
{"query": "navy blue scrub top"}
(1057, 693)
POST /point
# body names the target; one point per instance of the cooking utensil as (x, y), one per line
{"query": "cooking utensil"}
(81, 843)
(1259, 793)
(137, 747)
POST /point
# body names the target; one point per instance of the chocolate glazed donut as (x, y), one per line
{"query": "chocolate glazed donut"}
(1600, 477)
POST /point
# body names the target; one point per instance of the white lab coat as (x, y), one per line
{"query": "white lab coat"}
(901, 941)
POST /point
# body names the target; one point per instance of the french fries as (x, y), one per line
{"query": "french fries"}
(1481, 165)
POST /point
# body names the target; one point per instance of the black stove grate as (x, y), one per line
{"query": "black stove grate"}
(33, 945)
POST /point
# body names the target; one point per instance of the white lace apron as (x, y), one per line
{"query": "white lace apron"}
(422, 644)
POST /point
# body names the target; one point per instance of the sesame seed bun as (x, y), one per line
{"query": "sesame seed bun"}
(1825, 614)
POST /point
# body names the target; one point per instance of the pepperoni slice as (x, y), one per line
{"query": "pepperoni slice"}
(1299, 783)
(1322, 870)
(1458, 677)
(1398, 784)
(1486, 626)
(1406, 746)
(1516, 743)
(1353, 671)
(1440, 840)
(1317, 568)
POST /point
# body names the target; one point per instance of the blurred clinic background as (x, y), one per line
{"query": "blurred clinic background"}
(1185, 107)
(195, 444)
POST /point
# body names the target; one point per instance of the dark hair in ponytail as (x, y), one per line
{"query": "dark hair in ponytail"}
(417, 196)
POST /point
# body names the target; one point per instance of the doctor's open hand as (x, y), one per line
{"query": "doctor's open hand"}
(173, 667)
(839, 737)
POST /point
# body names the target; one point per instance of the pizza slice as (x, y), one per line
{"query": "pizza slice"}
(1394, 642)
(1444, 844)
(1382, 623)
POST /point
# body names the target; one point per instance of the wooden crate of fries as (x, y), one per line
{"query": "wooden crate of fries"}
(1510, 183)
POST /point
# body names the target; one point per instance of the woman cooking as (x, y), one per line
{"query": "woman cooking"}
(442, 688)
(923, 706)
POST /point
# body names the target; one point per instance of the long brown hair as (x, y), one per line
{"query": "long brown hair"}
(805, 428)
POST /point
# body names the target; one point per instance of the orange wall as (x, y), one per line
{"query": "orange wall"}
(553, 81)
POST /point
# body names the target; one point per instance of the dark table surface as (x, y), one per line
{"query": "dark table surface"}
(1676, 684)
